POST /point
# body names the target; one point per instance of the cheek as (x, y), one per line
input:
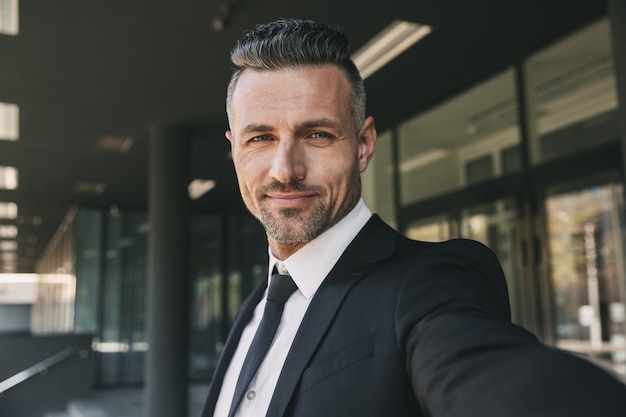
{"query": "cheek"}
(249, 176)
(338, 176)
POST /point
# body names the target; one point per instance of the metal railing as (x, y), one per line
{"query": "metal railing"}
(42, 367)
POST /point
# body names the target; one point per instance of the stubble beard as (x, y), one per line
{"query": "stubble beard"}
(293, 226)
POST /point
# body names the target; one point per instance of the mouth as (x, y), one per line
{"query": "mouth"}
(290, 200)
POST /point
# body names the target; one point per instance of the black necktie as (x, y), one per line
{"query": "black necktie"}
(281, 287)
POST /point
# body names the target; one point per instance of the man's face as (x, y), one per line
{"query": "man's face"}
(296, 152)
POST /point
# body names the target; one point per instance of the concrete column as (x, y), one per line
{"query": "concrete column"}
(617, 17)
(168, 283)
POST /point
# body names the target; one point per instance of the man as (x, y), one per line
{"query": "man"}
(379, 325)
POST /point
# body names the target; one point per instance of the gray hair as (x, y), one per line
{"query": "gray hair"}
(293, 43)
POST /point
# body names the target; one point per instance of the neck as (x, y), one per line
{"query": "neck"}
(284, 250)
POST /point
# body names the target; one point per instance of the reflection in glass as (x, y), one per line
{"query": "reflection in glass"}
(572, 94)
(377, 181)
(429, 230)
(466, 140)
(586, 241)
(493, 224)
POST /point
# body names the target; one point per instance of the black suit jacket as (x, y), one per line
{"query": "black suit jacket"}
(405, 328)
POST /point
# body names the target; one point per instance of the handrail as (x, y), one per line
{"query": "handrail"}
(42, 367)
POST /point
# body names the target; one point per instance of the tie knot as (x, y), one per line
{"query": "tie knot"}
(281, 287)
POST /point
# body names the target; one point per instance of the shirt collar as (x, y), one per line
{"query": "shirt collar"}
(310, 264)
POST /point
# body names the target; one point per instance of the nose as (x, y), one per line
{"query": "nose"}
(288, 162)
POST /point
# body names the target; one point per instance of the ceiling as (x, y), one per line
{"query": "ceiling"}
(82, 70)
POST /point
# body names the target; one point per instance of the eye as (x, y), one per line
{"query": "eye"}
(261, 138)
(321, 135)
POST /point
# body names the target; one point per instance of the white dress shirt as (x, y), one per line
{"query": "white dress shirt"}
(308, 267)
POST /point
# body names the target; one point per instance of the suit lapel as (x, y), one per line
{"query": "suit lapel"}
(241, 320)
(374, 243)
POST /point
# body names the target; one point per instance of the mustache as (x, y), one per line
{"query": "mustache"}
(293, 186)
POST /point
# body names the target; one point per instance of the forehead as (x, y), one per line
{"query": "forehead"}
(305, 87)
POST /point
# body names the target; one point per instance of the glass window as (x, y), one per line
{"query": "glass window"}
(122, 343)
(429, 230)
(88, 270)
(572, 95)
(378, 189)
(466, 140)
(586, 241)
(493, 224)
(207, 292)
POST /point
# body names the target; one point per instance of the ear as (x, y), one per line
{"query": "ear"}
(229, 136)
(367, 141)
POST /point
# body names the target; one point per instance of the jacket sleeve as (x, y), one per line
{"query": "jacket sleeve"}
(466, 358)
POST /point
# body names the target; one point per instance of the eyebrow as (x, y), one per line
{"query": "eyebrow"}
(256, 128)
(308, 124)
(324, 122)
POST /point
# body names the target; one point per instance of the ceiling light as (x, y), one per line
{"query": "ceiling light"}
(8, 257)
(8, 231)
(112, 143)
(396, 38)
(9, 121)
(8, 178)
(8, 245)
(8, 17)
(421, 160)
(198, 188)
(8, 210)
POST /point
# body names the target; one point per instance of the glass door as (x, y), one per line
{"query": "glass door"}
(493, 224)
(586, 246)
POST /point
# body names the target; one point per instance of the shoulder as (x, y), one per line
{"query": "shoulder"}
(458, 272)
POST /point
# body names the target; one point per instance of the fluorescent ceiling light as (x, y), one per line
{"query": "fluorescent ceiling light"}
(8, 178)
(8, 257)
(9, 121)
(8, 245)
(396, 38)
(8, 210)
(198, 188)
(421, 160)
(8, 231)
(9, 17)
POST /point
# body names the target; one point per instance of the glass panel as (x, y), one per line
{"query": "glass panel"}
(572, 94)
(207, 285)
(122, 341)
(479, 169)
(88, 270)
(429, 230)
(438, 148)
(247, 258)
(586, 242)
(53, 312)
(378, 190)
(493, 224)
